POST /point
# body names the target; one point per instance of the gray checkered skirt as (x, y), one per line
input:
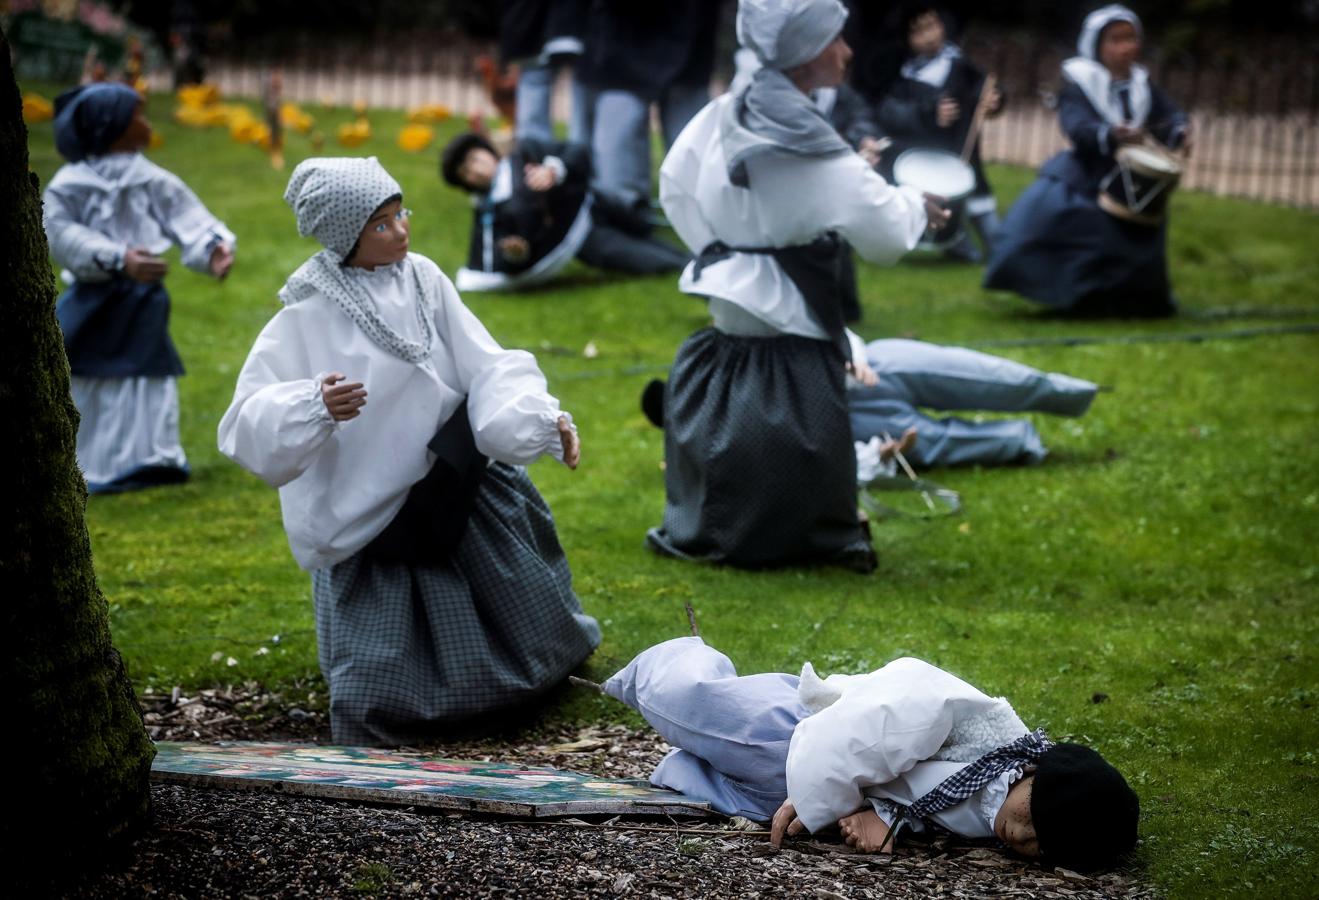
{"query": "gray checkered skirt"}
(759, 464)
(413, 652)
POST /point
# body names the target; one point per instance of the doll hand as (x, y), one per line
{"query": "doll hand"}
(947, 112)
(572, 444)
(142, 265)
(862, 372)
(865, 831)
(514, 248)
(538, 177)
(785, 823)
(870, 148)
(936, 213)
(1125, 134)
(222, 259)
(344, 401)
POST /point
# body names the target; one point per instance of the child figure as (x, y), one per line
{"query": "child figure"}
(906, 746)
(932, 105)
(440, 588)
(534, 211)
(109, 214)
(1057, 246)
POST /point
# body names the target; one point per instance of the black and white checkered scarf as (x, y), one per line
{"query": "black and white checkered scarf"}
(1024, 751)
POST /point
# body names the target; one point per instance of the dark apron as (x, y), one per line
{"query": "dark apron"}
(117, 329)
(822, 270)
(434, 517)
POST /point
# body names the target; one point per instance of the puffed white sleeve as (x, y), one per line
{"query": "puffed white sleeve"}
(187, 221)
(277, 422)
(88, 254)
(514, 418)
(880, 220)
(883, 725)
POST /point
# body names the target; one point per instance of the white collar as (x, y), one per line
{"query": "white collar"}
(932, 70)
(1096, 82)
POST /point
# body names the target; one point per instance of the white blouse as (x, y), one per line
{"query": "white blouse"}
(895, 734)
(95, 210)
(790, 200)
(341, 483)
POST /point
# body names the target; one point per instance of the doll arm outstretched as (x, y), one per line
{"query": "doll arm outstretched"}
(192, 226)
(514, 418)
(88, 254)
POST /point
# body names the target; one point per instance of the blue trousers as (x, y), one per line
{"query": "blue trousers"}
(914, 374)
(620, 140)
(731, 732)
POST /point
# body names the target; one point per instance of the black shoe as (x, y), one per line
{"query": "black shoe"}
(652, 402)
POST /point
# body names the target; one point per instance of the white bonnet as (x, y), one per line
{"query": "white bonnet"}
(334, 197)
(1088, 43)
(786, 33)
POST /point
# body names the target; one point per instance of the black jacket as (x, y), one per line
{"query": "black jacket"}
(646, 46)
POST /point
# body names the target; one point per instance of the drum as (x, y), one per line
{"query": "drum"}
(1140, 184)
(944, 175)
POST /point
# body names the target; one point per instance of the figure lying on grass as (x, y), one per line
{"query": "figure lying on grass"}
(908, 746)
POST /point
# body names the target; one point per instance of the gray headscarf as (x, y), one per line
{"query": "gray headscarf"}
(333, 199)
(771, 113)
(1088, 43)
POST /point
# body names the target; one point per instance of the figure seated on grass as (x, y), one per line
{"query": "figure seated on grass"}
(906, 747)
(535, 212)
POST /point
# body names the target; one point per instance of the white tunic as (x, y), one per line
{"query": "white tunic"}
(895, 734)
(790, 200)
(340, 484)
(93, 212)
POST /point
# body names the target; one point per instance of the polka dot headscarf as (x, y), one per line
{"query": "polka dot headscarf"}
(334, 197)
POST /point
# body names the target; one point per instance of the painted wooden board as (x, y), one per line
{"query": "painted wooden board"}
(369, 775)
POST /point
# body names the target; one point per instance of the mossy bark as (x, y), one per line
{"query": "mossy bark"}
(78, 756)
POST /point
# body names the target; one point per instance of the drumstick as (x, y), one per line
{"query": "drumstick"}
(906, 467)
(978, 120)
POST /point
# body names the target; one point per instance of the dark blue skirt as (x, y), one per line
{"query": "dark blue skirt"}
(1057, 247)
(118, 329)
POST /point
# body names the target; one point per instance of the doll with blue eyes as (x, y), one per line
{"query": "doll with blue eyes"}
(396, 428)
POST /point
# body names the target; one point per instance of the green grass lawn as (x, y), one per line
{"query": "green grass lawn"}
(1164, 556)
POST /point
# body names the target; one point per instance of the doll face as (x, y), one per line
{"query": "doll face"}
(384, 240)
(137, 135)
(829, 69)
(1014, 825)
(478, 169)
(1119, 48)
(926, 35)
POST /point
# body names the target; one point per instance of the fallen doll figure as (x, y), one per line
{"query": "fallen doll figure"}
(912, 374)
(908, 746)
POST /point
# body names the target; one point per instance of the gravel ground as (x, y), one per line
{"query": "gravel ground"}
(240, 844)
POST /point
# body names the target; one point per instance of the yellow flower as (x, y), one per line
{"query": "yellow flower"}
(157, 141)
(37, 108)
(292, 117)
(354, 134)
(416, 138)
(429, 113)
(198, 95)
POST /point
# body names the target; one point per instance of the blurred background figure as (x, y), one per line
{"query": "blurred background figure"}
(543, 38)
(638, 55)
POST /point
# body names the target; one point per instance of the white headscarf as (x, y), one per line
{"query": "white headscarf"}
(334, 197)
(333, 200)
(1094, 79)
(787, 33)
(1088, 43)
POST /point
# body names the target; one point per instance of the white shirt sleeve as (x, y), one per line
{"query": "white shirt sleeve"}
(883, 725)
(276, 425)
(86, 252)
(514, 418)
(187, 221)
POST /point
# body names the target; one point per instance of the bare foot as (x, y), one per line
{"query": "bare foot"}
(890, 447)
(865, 831)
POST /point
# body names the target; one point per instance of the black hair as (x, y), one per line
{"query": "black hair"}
(347, 260)
(455, 153)
(913, 10)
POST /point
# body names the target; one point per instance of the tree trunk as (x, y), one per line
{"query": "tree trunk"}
(78, 756)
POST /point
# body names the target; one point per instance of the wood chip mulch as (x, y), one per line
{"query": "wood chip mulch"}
(241, 844)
